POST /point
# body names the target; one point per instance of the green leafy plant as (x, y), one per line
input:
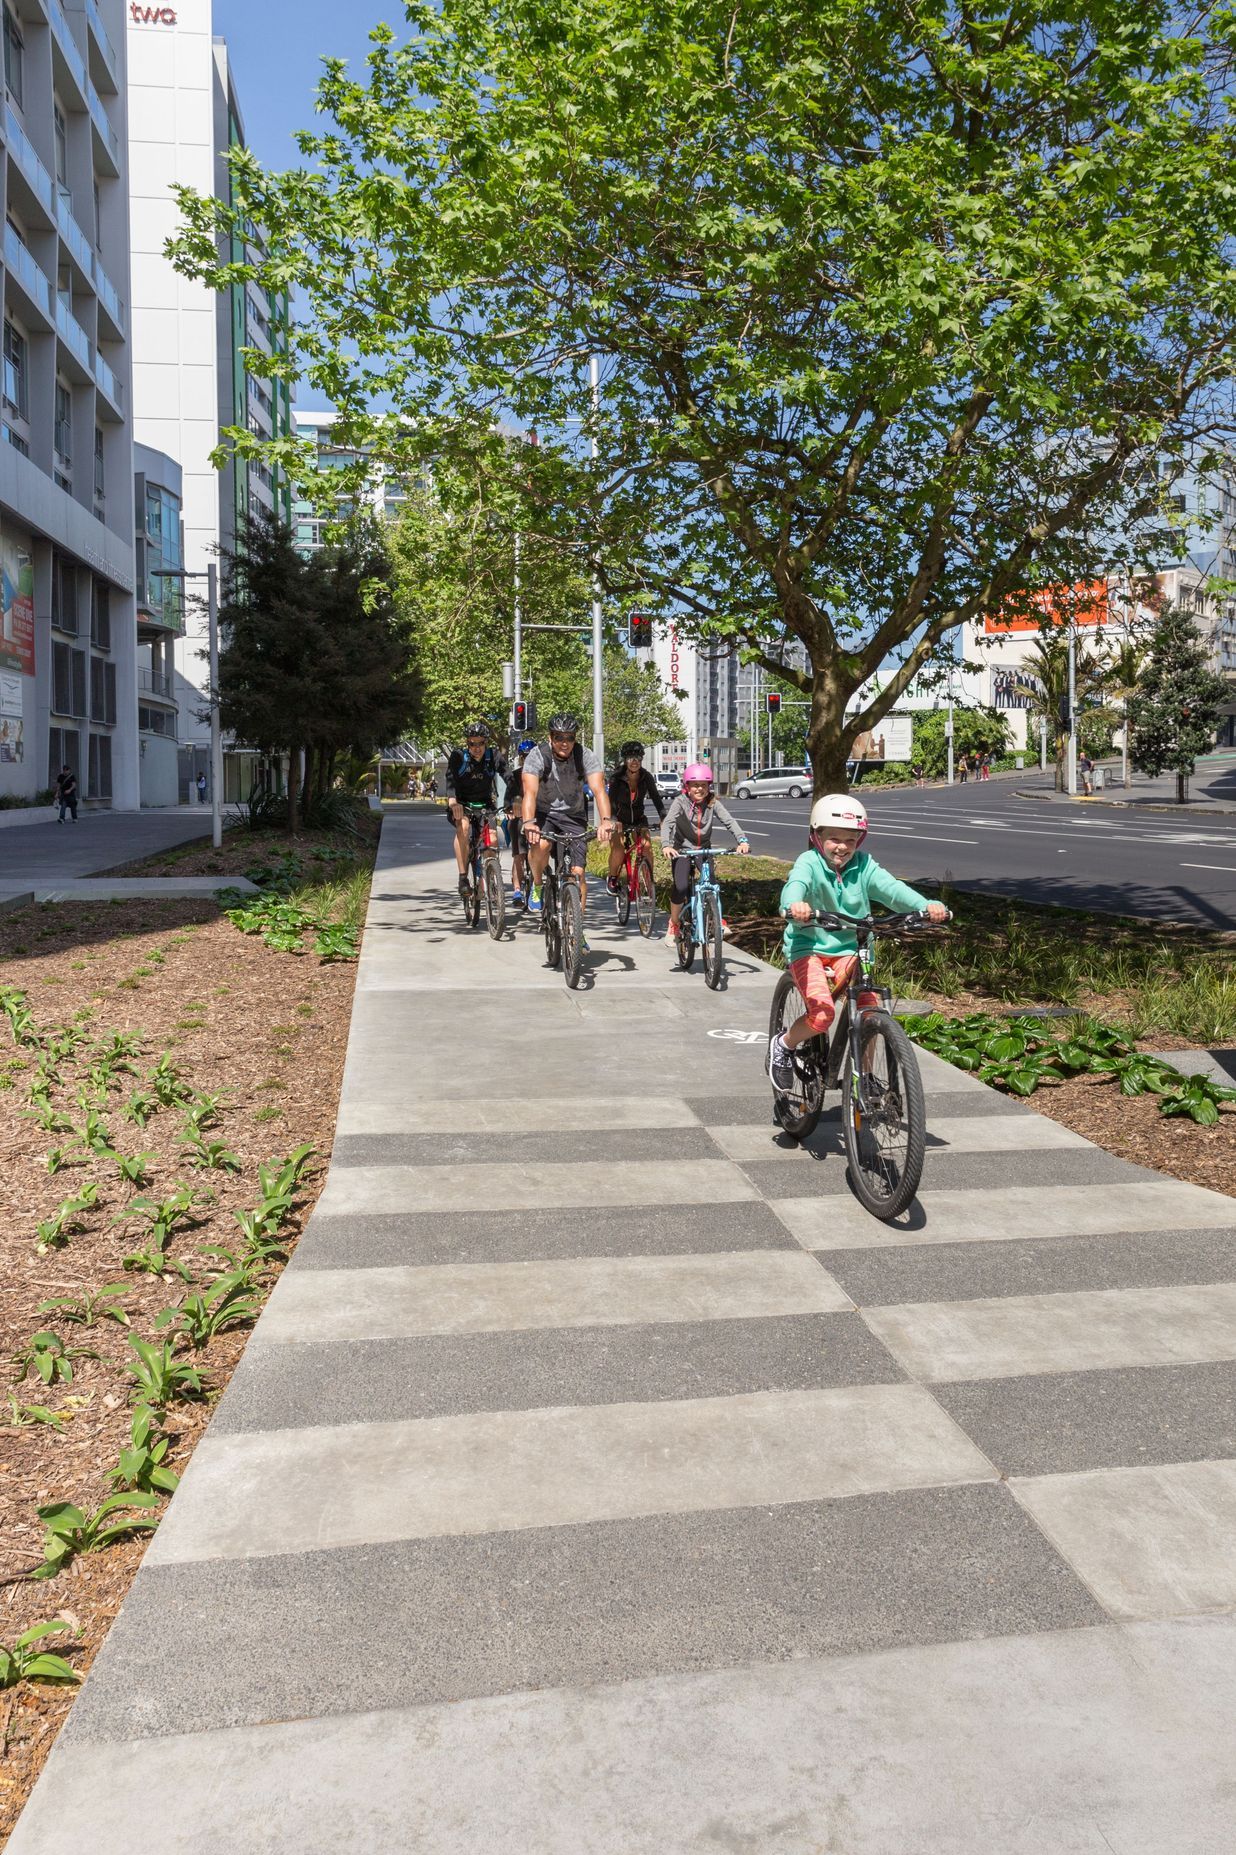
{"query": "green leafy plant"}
(47, 1355)
(141, 1464)
(23, 1416)
(25, 1661)
(85, 1309)
(49, 1118)
(202, 1110)
(94, 1133)
(142, 1106)
(211, 1155)
(134, 1168)
(202, 1316)
(71, 1154)
(162, 1379)
(336, 943)
(52, 1233)
(69, 1531)
(167, 1082)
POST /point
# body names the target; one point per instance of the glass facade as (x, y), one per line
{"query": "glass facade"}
(159, 549)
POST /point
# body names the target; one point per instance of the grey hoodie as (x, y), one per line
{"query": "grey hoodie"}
(689, 827)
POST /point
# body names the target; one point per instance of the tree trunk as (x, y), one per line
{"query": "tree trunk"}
(306, 791)
(293, 790)
(1182, 788)
(826, 739)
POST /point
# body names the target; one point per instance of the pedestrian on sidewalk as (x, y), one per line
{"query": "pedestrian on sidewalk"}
(985, 767)
(963, 770)
(66, 793)
(201, 788)
(1085, 766)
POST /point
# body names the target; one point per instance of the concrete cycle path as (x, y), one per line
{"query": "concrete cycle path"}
(600, 1479)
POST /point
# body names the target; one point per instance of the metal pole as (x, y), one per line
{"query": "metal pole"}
(216, 737)
(770, 745)
(519, 630)
(948, 732)
(598, 692)
(1042, 743)
(1071, 745)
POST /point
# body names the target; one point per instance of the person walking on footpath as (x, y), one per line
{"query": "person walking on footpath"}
(1085, 766)
(66, 793)
(201, 788)
(963, 770)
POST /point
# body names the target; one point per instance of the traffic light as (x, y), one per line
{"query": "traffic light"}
(773, 698)
(519, 718)
(639, 634)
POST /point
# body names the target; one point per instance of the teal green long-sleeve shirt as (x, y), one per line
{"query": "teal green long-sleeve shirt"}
(860, 883)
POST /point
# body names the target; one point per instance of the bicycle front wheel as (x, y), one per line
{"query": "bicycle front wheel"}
(495, 900)
(686, 941)
(883, 1116)
(549, 915)
(645, 897)
(572, 934)
(798, 1113)
(712, 941)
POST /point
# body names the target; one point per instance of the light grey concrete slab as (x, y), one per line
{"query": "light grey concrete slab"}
(976, 1133)
(124, 888)
(539, 1180)
(535, 1236)
(1017, 1335)
(651, 1146)
(605, 1291)
(535, 1114)
(288, 1387)
(1107, 1741)
(971, 1271)
(1066, 1421)
(259, 1494)
(754, 1107)
(51, 852)
(984, 1175)
(1216, 1065)
(618, 1600)
(1149, 1542)
(1013, 1212)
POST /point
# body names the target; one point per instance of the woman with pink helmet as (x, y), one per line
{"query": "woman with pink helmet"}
(688, 825)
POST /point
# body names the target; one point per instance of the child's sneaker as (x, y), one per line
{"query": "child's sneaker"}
(781, 1070)
(671, 934)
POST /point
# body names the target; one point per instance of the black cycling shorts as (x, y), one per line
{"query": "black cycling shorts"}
(575, 830)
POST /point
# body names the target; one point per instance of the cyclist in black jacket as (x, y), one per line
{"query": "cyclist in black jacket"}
(630, 788)
(471, 779)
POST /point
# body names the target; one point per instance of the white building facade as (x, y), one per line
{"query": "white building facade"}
(190, 381)
(68, 660)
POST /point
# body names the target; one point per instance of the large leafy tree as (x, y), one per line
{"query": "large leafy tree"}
(893, 300)
(1177, 704)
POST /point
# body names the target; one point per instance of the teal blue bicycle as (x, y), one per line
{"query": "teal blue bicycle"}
(700, 925)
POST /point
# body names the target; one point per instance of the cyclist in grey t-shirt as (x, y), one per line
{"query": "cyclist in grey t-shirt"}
(557, 778)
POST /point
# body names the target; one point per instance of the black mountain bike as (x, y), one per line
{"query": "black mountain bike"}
(484, 872)
(562, 907)
(870, 1058)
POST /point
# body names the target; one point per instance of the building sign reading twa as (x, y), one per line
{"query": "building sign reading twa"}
(152, 15)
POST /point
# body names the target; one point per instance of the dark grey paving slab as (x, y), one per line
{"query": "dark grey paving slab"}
(1118, 1418)
(279, 1387)
(418, 1621)
(794, 1177)
(973, 1271)
(752, 1109)
(450, 1148)
(537, 1236)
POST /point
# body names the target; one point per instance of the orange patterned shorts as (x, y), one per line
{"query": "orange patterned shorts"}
(820, 977)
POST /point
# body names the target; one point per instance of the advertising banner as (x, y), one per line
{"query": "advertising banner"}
(1084, 603)
(12, 722)
(17, 622)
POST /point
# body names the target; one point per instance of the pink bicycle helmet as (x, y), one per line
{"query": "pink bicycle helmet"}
(697, 771)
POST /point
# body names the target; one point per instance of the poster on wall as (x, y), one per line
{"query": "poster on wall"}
(17, 626)
(1084, 603)
(12, 723)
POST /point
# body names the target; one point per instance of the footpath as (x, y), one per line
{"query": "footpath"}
(54, 862)
(602, 1480)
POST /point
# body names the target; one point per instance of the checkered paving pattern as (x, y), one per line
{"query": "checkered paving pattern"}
(594, 1408)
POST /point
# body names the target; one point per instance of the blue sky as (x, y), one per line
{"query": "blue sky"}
(277, 47)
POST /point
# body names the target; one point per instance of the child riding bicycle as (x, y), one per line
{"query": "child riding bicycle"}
(688, 825)
(835, 876)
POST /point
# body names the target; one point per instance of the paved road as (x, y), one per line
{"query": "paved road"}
(985, 837)
(601, 1480)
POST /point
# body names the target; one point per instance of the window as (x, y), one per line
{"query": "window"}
(99, 784)
(18, 444)
(16, 373)
(157, 721)
(63, 750)
(102, 690)
(60, 136)
(64, 594)
(101, 615)
(68, 680)
(12, 56)
(98, 219)
(99, 477)
(62, 437)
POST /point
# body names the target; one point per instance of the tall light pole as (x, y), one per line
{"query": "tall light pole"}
(598, 719)
(1071, 745)
(948, 726)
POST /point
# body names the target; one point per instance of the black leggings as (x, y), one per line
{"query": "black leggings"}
(682, 878)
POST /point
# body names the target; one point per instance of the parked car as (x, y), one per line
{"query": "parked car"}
(668, 784)
(778, 780)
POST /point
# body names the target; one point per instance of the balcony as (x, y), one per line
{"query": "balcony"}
(156, 683)
(20, 263)
(167, 618)
(109, 297)
(107, 50)
(72, 233)
(74, 336)
(108, 382)
(39, 179)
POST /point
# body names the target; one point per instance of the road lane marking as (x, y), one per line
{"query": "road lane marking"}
(1210, 866)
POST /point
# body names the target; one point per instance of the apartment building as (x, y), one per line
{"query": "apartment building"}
(68, 681)
(190, 379)
(387, 495)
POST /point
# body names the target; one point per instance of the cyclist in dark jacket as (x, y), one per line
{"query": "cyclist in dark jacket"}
(630, 788)
(471, 779)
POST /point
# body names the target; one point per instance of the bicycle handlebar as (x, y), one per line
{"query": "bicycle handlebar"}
(872, 924)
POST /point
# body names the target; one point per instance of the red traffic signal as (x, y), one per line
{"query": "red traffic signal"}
(639, 632)
(519, 717)
(773, 698)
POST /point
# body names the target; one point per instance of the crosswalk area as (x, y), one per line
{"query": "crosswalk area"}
(600, 1477)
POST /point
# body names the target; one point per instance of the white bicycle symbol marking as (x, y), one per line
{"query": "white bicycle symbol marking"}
(731, 1036)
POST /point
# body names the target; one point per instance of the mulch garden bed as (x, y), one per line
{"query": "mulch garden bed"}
(264, 1030)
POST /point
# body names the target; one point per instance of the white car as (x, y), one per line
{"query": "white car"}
(781, 781)
(668, 784)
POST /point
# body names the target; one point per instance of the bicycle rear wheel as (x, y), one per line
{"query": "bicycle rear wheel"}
(572, 933)
(495, 901)
(798, 1113)
(686, 940)
(884, 1118)
(622, 899)
(712, 941)
(645, 897)
(549, 917)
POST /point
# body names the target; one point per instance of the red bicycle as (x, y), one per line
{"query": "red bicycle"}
(635, 878)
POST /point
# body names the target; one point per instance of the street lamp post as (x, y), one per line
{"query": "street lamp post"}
(598, 718)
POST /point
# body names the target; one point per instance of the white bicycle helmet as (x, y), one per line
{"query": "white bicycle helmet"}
(840, 811)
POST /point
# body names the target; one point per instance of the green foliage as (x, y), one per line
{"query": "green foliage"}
(47, 1355)
(60, 1156)
(336, 943)
(975, 731)
(142, 1106)
(141, 1465)
(26, 1662)
(167, 1083)
(69, 1530)
(210, 1155)
(162, 1379)
(1176, 706)
(54, 1232)
(24, 1416)
(163, 1218)
(134, 1168)
(85, 1309)
(201, 1316)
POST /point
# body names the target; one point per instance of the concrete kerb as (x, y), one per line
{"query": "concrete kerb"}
(1214, 808)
